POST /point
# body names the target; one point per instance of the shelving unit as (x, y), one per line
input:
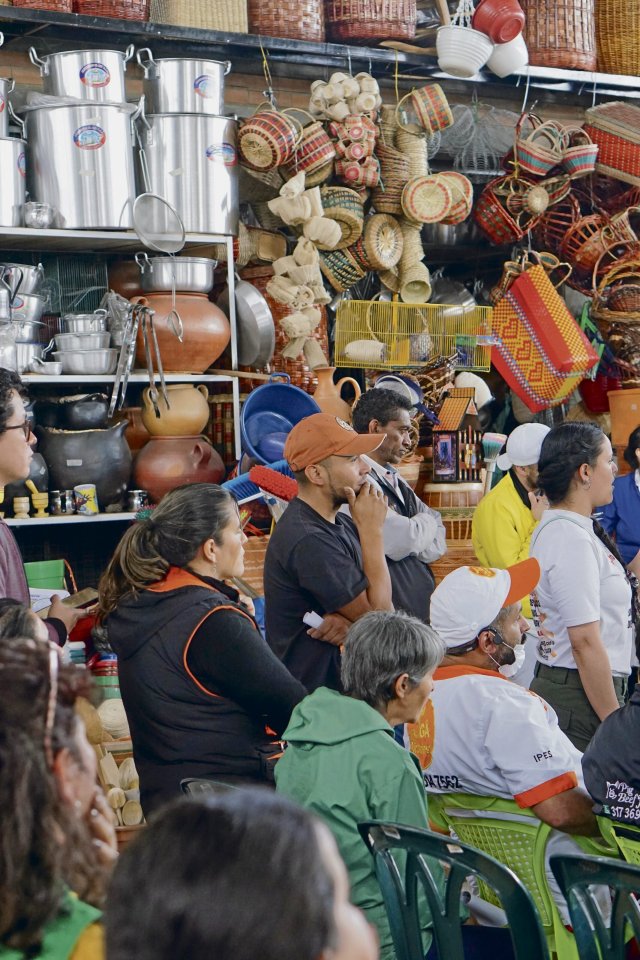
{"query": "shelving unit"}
(71, 518)
(139, 376)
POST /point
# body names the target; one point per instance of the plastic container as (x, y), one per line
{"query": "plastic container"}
(45, 574)
(268, 415)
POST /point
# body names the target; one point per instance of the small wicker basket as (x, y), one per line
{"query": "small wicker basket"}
(427, 199)
(118, 9)
(345, 207)
(229, 16)
(560, 33)
(291, 19)
(369, 21)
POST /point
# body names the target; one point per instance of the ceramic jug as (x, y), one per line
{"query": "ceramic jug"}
(167, 462)
(186, 416)
(101, 457)
(328, 394)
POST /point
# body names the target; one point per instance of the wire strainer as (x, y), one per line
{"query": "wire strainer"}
(160, 228)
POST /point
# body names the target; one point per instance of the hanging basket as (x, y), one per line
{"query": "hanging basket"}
(560, 33)
(370, 21)
(383, 241)
(314, 153)
(580, 154)
(617, 286)
(426, 200)
(541, 150)
(492, 215)
(345, 207)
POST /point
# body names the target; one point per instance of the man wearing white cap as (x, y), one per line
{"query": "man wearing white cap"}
(480, 733)
(506, 517)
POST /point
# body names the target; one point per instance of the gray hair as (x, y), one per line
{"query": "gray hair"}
(381, 646)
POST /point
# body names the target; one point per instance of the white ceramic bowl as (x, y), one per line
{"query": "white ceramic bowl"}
(462, 51)
(509, 57)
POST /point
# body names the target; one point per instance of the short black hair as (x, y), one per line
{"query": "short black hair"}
(378, 404)
(9, 382)
(632, 446)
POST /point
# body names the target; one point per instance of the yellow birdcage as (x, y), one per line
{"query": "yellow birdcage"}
(385, 335)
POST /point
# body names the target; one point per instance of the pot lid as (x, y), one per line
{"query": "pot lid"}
(255, 326)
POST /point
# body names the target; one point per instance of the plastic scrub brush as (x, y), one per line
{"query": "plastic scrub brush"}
(243, 489)
(492, 444)
(277, 489)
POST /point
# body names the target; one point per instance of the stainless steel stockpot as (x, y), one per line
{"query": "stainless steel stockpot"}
(176, 85)
(12, 195)
(184, 274)
(96, 75)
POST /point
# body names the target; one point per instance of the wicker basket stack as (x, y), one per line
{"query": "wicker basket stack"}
(561, 33)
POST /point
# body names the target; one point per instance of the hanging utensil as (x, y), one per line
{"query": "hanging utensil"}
(135, 322)
(153, 392)
(160, 228)
(122, 362)
(154, 340)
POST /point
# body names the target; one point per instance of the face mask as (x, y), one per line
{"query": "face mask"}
(510, 669)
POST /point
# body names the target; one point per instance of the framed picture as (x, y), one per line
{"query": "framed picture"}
(445, 457)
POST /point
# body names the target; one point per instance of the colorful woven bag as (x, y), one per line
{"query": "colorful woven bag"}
(541, 351)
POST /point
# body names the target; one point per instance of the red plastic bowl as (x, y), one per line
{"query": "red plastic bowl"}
(501, 20)
(594, 392)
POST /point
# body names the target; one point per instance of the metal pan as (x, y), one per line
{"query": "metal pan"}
(256, 330)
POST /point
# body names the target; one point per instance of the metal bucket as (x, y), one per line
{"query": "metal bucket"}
(183, 86)
(80, 160)
(192, 162)
(12, 164)
(96, 75)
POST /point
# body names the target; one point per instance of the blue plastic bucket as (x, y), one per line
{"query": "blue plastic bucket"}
(268, 415)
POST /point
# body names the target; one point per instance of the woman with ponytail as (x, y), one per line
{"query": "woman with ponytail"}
(205, 696)
(582, 604)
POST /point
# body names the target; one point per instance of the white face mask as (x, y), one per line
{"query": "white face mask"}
(510, 669)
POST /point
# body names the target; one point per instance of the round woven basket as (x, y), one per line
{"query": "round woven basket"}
(340, 269)
(426, 200)
(415, 283)
(345, 206)
(383, 241)
(462, 196)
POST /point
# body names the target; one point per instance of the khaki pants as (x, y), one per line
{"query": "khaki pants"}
(562, 689)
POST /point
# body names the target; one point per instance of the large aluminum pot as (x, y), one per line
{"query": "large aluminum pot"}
(12, 194)
(183, 86)
(192, 162)
(96, 75)
(26, 353)
(22, 278)
(80, 160)
(27, 308)
(185, 274)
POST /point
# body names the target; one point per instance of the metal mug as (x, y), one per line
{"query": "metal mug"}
(137, 500)
(61, 502)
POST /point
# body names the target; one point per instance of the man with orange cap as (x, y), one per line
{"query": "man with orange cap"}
(320, 561)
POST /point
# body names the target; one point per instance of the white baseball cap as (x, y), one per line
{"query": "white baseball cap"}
(470, 598)
(523, 446)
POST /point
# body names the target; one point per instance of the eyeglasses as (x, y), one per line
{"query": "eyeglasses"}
(25, 427)
(54, 663)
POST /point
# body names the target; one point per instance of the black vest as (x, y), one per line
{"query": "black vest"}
(178, 728)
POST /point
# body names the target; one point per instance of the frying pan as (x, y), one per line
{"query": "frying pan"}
(256, 330)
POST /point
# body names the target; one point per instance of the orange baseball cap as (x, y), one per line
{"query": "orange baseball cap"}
(322, 435)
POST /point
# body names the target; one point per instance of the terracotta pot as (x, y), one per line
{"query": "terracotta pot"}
(136, 434)
(328, 394)
(206, 332)
(124, 278)
(167, 462)
(88, 456)
(186, 416)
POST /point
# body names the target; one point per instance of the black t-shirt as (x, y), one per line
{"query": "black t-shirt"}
(311, 565)
(611, 765)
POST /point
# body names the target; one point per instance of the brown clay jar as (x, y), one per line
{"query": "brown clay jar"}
(167, 462)
(205, 332)
(186, 415)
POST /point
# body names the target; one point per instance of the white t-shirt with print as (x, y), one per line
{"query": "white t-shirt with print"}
(581, 582)
(483, 734)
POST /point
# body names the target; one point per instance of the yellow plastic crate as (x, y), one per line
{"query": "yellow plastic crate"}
(388, 335)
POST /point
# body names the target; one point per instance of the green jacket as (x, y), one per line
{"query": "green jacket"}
(63, 934)
(343, 763)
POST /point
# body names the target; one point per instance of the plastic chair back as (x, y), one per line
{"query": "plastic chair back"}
(196, 786)
(627, 839)
(599, 937)
(421, 850)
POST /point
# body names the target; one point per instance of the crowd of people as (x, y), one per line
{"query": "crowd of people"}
(397, 689)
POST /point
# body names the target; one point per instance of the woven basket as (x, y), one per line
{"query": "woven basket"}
(462, 196)
(580, 154)
(618, 37)
(299, 371)
(416, 151)
(494, 219)
(554, 223)
(394, 173)
(346, 208)
(560, 33)
(368, 21)
(426, 199)
(539, 151)
(118, 9)
(615, 128)
(588, 240)
(622, 273)
(227, 15)
(291, 19)
(314, 154)
(58, 6)
(340, 269)
(383, 241)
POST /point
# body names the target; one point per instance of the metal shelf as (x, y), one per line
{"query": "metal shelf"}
(93, 241)
(136, 377)
(72, 518)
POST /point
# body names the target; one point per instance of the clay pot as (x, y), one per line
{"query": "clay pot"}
(206, 332)
(328, 394)
(88, 456)
(136, 434)
(186, 416)
(124, 278)
(82, 412)
(167, 462)
(38, 474)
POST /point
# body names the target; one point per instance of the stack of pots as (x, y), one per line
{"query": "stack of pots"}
(80, 154)
(187, 146)
(12, 162)
(177, 452)
(84, 348)
(20, 300)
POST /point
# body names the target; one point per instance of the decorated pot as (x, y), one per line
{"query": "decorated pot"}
(167, 462)
(101, 457)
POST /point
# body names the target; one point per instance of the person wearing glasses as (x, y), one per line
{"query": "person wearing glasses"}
(62, 847)
(16, 451)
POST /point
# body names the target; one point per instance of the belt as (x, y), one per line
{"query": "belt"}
(568, 677)
(565, 676)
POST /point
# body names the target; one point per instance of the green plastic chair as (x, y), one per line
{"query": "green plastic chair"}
(401, 894)
(517, 843)
(599, 937)
(625, 837)
(46, 574)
